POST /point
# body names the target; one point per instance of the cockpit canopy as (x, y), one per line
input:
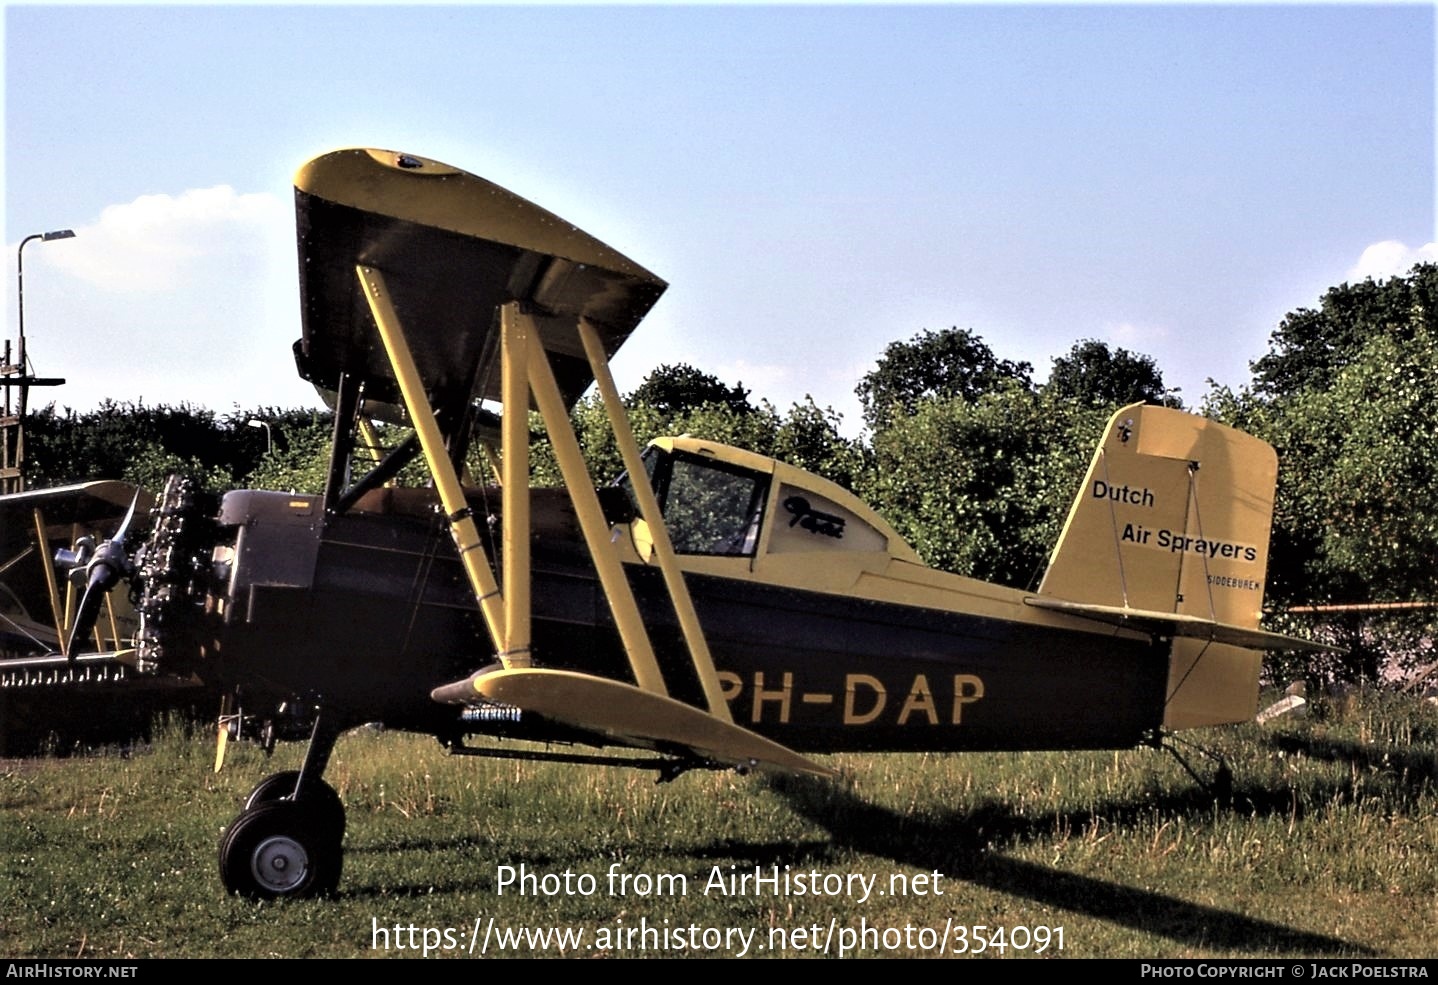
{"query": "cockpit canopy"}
(721, 501)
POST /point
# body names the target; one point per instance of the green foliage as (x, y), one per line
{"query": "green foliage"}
(1096, 375)
(1367, 448)
(673, 389)
(1359, 501)
(1310, 348)
(673, 399)
(299, 460)
(125, 440)
(806, 436)
(753, 429)
(934, 365)
(981, 488)
(1348, 395)
(150, 465)
(144, 444)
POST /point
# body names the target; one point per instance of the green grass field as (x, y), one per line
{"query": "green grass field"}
(1326, 851)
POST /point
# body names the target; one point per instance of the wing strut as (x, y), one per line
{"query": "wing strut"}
(649, 509)
(642, 715)
(514, 347)
(525, 370)
(50, 584)
(591, 517)
(446, 480)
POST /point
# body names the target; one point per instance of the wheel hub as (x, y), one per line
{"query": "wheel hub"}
(279, 864)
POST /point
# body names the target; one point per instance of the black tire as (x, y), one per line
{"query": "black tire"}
(321, 801)
(277, 851)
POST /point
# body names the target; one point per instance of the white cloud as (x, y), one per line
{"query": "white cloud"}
(158, 242)
(757, 378)
(1391, 258)
(172, 298)
(1127, 335)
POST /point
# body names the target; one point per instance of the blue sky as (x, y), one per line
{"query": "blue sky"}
(814, 182)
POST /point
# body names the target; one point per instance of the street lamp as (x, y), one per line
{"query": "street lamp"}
(12, 428)
(255, 422)
(20, 279)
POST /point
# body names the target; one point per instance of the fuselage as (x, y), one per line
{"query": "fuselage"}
(820, 642)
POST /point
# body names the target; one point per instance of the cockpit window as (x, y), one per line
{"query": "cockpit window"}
(709, 507)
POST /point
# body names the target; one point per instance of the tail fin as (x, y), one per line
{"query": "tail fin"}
(1173, 518)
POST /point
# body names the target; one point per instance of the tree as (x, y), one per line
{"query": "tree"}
(1097, 376)
(808, 437)
(753, 429)
(1348, 395)
(671, 389)
(934, 365)
(981, 487)
(1363, 459)
(1310, 347)
(299, 459)
(129, 441)
(673, 399)
(143, 444)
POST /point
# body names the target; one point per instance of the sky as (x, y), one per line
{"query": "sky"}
(814, 182)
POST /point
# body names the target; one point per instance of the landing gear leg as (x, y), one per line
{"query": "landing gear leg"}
(1222, 786)
(286, 842)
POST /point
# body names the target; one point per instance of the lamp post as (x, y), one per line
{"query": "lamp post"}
(255, 422)
(17, 374)
(20, 289)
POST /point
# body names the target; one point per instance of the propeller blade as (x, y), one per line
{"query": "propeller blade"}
(124, 530)
(89, 611)
(103, 571)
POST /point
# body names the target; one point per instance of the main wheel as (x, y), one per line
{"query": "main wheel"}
(277, 850)
(321, 801)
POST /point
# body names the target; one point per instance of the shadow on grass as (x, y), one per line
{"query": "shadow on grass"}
(1414, 767)
(969, 845)
(962, 845)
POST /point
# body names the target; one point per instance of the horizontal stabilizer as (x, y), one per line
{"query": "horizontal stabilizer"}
(1180, 624)
(628, 716)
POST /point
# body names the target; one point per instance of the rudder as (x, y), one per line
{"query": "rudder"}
(1174, 516)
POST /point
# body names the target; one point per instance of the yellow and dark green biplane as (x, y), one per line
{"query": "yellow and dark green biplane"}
(713, 608)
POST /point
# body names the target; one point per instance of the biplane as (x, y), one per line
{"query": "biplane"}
(710, 608)
(63, 674)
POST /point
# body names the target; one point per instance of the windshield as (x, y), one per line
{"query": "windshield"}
(709, 507)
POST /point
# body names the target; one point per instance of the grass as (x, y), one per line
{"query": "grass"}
(1326, 851)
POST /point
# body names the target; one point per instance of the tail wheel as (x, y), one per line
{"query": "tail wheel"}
(320, 801)
(277, 850)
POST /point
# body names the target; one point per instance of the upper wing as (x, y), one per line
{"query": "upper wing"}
(453, 248)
